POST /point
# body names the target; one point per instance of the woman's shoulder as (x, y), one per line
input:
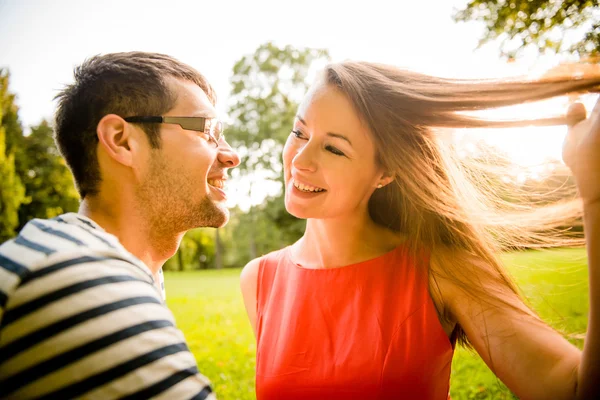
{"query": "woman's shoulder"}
(251, 270)
(449, 264)
(460, 277)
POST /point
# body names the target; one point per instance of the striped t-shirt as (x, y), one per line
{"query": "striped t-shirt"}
(81, 317)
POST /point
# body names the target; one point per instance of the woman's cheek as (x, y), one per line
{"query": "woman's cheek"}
(288, 153)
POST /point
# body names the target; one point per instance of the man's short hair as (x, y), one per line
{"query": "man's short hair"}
(126, 84)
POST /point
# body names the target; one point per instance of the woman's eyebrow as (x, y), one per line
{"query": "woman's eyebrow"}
(301, 120)
(331, 134)
(339, 136)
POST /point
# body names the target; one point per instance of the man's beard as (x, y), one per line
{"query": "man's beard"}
(208, 214)
(167, 202)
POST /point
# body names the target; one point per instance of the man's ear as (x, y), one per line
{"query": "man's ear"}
(116, 138)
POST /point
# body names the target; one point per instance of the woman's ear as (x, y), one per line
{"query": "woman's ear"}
(115, 137)
(385, 179)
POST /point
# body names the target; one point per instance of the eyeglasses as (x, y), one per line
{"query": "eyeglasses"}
(211, 127)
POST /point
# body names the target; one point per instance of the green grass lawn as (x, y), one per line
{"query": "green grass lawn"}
(209, 310)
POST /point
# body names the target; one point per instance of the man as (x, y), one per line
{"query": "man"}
(82, 309)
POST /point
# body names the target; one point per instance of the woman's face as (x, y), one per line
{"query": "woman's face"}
(329, 161)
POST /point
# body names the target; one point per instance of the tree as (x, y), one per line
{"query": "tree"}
(36, 182)
(267, 87)
(537, 23)
(10, 116)
(12, 192)
(218, 249)
(256, 233)
(196, 251)
(49, 185)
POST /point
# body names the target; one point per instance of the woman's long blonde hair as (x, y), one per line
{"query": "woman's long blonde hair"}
(435, 200)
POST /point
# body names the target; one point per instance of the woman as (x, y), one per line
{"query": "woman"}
(399, 257)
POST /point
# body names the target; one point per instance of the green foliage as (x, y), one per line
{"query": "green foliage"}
(9, 113)
(12, 192)
(293, 228)
(262, 229)
(208, 307)
(48, 182)
(537, 23)
(267, 87)
(196, 251)
(36, 182)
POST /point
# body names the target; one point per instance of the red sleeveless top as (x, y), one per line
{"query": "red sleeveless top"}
(364, 331)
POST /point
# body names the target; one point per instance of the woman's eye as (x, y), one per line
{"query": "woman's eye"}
(299, 135)
(334, 151)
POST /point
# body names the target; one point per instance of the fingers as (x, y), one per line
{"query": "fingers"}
(577, 113)
(595, 117)
(596, 111)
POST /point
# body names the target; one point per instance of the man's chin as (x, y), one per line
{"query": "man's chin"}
(215, 215)
(224, 219)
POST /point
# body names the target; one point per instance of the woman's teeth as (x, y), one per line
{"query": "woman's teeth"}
(307, 188)
(218, 183)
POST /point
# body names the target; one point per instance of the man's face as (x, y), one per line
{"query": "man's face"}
(182, 183)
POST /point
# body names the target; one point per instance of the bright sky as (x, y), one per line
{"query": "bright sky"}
(41, 41)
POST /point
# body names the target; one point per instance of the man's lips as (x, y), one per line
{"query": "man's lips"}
(217, 181)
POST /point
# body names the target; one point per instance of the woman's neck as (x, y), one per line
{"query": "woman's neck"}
(338, 242)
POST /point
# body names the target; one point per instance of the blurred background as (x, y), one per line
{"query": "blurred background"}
(261, 56)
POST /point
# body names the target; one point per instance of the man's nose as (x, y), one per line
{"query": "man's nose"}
(228, 157)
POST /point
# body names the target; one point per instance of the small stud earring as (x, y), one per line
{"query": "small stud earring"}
(379, 186)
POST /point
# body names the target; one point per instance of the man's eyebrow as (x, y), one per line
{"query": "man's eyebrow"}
(331, 134)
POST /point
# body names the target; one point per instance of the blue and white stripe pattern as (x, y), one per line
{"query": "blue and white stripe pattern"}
(80, 317)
